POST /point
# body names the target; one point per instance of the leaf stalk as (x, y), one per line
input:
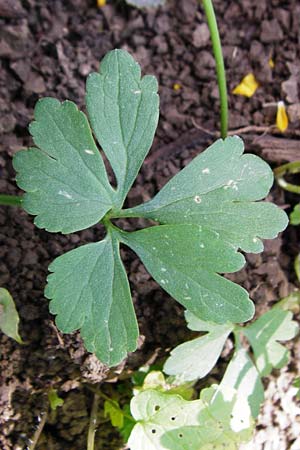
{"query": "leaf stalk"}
(11, 200)
(220, 68)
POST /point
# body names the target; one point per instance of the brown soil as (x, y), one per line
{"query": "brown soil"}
(47, 48)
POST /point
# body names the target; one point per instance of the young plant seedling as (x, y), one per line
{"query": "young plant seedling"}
(204, 214)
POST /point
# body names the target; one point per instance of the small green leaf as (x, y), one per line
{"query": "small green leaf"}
(218, 190)
(195, 359)
(145, 3)
(242, 375)
(156, 380)
(114, 412)
(65, 178)
(183, 259)
(295, 215)
(9, 318)
(123, 109)
(89, 291)
(263, 334)
(54, 400)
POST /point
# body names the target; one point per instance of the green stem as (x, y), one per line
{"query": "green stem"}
(93, 424)
(12, 200)
(217, 50)
(286, 169)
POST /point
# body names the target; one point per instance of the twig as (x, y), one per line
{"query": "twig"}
(38, 432)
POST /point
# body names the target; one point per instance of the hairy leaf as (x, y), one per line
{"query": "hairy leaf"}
(242, 375)
(183, 259)
(123, 110)
(195, 359)
(218, 190)
(89, 291)
(263, 334)
(9, 318)
(65, 179)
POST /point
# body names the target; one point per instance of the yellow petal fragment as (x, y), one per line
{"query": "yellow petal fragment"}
(101, 3)
(247, 86)
(177, 86)
(282, 121)
(271, 63)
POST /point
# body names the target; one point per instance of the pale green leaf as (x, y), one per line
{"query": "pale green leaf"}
(242, 375)
(169, 422)
(9, 318)
(264, 334)
(65, 178)
(156, 413)
(114, 412)
(295, 215)
(195, 359)
(218, 190)
(145, 3)
(89, 291)
(184, 260)
(156, 380)
(123, 111)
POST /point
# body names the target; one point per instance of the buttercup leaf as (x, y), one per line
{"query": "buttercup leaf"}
(123, 110)
(195, 359)
(263, 334)
(65, 179)
(9, 317)
(145, 3)
(89, 291)
(218, 190)
(183, 259)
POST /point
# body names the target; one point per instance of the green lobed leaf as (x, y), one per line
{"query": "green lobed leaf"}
(9, 317)
(242, 375)
(183, 259)
(218, 190)
(263, 334)
(195, 359)
(89, 291)
(156, 380)
(65, 178)
(123, 110)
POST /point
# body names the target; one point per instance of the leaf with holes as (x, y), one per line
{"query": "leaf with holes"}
(195, 359)
(184, 260)
(9, 317)
(263, 334)
(218, 190)
(123, 110)
(168, 422)
(89, 291)
(64, 176)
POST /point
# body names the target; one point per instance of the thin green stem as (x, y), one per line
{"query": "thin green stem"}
(11, 200)
(93, 424)
(220, 68)
(287, 169)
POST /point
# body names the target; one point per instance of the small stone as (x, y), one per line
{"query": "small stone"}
(201, 36)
